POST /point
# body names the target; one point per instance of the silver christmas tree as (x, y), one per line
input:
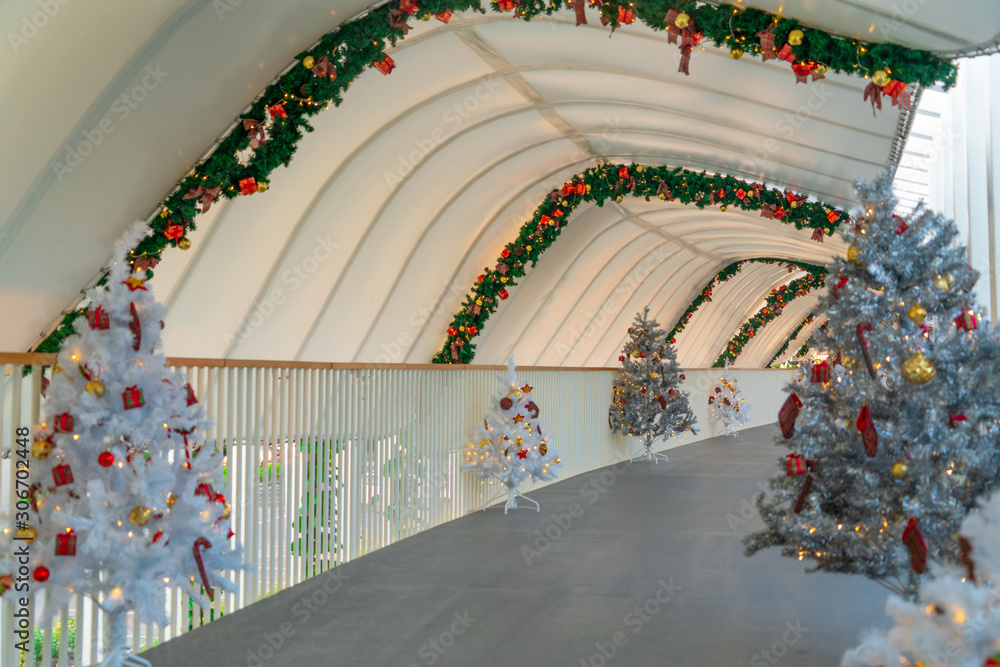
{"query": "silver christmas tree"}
(894, 437)
(648, 402)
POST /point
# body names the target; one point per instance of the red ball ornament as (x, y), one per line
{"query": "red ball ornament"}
(506, 403)
(41, 573)
(106, 459)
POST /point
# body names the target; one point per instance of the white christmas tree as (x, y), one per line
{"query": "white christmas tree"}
(727, 406)
(954, 620)
(123, 499)
(647, 400)
(510, 445)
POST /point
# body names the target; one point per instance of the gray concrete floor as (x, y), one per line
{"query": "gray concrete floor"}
(650, 572)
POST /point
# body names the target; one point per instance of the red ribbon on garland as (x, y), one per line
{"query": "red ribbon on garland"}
(767, 42)
(256, 133)
(324, 68)
(207, 196)
(578, 6)
(397, 19)
(875, 93)
(202, 543)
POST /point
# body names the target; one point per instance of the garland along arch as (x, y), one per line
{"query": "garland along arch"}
(267, 134)
(791, 337)
(598, 184)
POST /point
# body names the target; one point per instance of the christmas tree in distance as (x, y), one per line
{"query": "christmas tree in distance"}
(123, 501)
(727, 406)
(510, 445)
(647, 400)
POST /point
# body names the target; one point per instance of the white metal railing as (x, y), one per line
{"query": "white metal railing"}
(327, 462)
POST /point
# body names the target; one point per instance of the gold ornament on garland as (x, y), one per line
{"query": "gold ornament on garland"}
(917, 313)
(900, 469)
(880, 77)
(308, 62)
(139, 516)
(682, 21)
(95, 388)
(853, 254)
(918, 369)
(736, 54)
(261, 187)
(795, 37)
(185, 243)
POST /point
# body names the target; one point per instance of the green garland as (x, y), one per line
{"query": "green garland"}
(773, 305)
(724, 275)
(597, 185)
(805, 346)
(788, 342)
(354, 47)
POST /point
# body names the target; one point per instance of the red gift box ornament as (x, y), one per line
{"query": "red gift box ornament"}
(506, 5)
(503, 294)
(832, 216)
(411, 7)
(955, 420)
(787, 415)
(862, 328)
(444, 17)
(132, 398)
(98, 318)
(839, 285)
(820, 372)
(802, 72)
(625, 16)
(248, 186)
(795, 464)
(801, 500)
(385, 65)
(135, 327)
(63, 423)
(914, 539)
(66, 544)
(62, 474)
(869, 436)
(966, 321)
(276, 111)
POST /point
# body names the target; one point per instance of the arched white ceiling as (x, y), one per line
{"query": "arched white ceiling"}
(365, 246)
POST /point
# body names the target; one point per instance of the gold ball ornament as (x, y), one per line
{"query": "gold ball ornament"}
(654, 375)
(139, 516)
(795, 37)
(184, 243)
(171, 499)
(308, 62)
(917, 313)
(261, 187)
(41, 449)
(735, 54)
(662, 196)
(853, 255)
(227, 511)
(95, 388)
(28, 534)
(918, 369)
(847, 361)
(900, 469)
(683, 20)
(619, 199)
(944, 281)
(880, 77)
(822, 70)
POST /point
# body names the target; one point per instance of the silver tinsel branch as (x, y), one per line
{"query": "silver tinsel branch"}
(910, 351)
(647, 401)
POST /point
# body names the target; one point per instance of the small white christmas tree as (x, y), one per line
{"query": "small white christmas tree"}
(509, 445)
(647, 400)
(123, 500)
(727, 406)
(954, 620)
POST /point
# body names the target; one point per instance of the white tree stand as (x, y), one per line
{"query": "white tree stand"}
(512, 496)
(118, 655)
(647, 453)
